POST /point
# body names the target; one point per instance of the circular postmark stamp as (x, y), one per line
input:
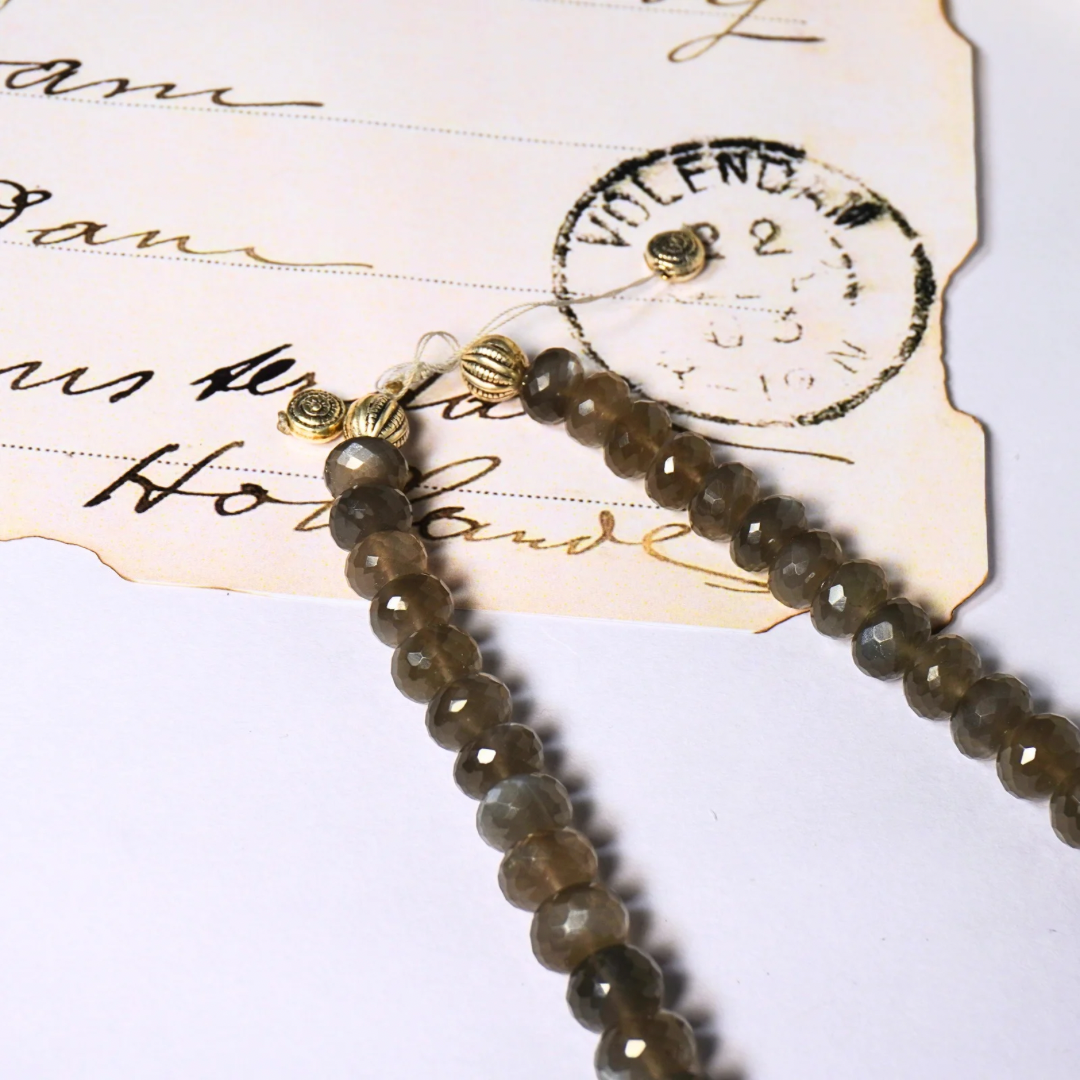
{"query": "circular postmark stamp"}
(815, 293)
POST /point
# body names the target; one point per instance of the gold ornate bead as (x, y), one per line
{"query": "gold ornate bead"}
(494, 368)
(378, 416)
(313, 414)
(676, 256)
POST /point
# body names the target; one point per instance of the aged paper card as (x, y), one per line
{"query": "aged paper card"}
(193, 226)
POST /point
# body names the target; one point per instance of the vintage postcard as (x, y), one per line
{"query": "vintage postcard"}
(194, 226)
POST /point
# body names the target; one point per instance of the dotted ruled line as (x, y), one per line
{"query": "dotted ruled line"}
(310, 476)
(547, 498)
(200, 260)
(126, 457)
(425, 129)
(65, 453)
(655, 9)
(203, 260)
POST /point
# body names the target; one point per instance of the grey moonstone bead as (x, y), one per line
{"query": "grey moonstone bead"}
(467, 708)
(365, 460)
(600, 400)
(990, 710)
(381, 557)
(884, 647)
(407, 604)
(636, 439)
(660, 1047)
(943, 671)
(429, 659)
(766, 528)
(802, 566)
(679, 470)
(725, 498)
(500, 752)
(1038, 755)
(1065, 810)
(545, 863)
(573, 923)
(849, 594)
(367, 509)
(550, 384)
(615, 985)
(520, 806)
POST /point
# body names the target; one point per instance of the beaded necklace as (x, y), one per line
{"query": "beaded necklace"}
(579, 926)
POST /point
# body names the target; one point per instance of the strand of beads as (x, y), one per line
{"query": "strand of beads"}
(579, 926)
(991, 715)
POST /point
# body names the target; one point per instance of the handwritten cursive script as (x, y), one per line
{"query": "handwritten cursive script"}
(89, 234)
(442, 523)
(15, 200)
(69, 380)
(53, 78)
(254, 376)
(459, 406)
(231, 503)
(739, 13)
(453, 523)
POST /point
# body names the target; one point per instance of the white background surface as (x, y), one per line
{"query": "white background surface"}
(228, 848)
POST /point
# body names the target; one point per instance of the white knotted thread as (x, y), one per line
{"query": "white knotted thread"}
(401, 378)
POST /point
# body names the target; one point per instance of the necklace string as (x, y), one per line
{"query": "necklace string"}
(401, 378)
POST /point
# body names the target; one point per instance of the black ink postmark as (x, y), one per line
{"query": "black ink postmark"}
(816, 294)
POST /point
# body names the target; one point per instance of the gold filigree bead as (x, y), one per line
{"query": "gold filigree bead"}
(313, 414)
(676, 256)
(494, 368)
(377, 416)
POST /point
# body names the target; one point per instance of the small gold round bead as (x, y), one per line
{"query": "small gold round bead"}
(377, 416)
(677, 256)
(494, 368)
(313, 414)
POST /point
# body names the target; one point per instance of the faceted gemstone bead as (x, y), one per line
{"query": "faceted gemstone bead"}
(766, 527)
(429, 659)
(573, 923)
(381, 557)
(506, 750)
(466, 708)
(725, 498)
(847, 597)
(635, 440)
(407, 604)
(601, 400)
(366, 509)
(660, 1047)
(364, 461)
(1038, 755)
(613, 986)
(546, 863)
(679, 470)
(521, 805)
(886, 643)
(551, 382)
(987, 713)
(802, 566)
(943, 671)
(1065, 810)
